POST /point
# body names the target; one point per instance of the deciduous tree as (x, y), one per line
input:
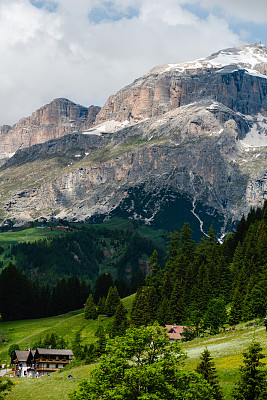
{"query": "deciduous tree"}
(143, 365)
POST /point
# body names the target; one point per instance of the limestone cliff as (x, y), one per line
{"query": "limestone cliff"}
(186, 142)
(234, 77)
(193, 151)
(53, 120)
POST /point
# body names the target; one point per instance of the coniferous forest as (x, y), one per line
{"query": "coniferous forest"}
(203, 285)
(209, 284)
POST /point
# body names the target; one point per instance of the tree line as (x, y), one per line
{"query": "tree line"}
(209, 284)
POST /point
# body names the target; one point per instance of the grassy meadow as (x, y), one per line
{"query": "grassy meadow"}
(225, 348)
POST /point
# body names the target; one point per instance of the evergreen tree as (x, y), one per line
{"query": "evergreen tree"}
(78, 349)
(164, 316)
(90, 311)
(253, 381)
(154, 301)
(120, 323)
(112, 301)
(100, 346)
(140, 308)
(207, 369)
(102, 285)
(236, 309)
(101, 306)
(154, 279)
(187, 243)
(177, 308)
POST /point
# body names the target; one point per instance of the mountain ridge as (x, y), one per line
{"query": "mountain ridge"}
(208, 147)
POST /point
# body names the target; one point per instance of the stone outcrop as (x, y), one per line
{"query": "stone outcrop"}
(168, 87)
(53, 120)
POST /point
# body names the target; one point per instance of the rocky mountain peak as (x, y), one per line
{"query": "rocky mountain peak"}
(58, 118)
(248, 56)
(235, 77)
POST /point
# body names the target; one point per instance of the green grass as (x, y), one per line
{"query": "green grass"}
(27, 332)
(26, 235)
(226, 350)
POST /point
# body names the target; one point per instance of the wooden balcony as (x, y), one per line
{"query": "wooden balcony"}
(51, 361)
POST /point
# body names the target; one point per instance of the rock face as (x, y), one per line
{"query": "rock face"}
(186, 142)
(56, 119)
(227, 77)
(188, 151)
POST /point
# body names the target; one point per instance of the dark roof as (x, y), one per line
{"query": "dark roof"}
(21, 355)
(61, 352)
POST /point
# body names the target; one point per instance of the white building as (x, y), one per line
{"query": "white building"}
(40, 362)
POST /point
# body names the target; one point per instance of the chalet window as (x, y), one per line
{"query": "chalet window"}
(47, 365)
(56, 365)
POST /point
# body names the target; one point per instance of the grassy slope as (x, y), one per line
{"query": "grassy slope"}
(226, 350)
(29, 235)
(26, 332)
(7, 239)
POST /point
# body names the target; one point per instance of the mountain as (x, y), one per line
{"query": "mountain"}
(227, 77)
(53, 120)
(185, 142)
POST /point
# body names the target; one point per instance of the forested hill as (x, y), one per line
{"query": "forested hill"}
(202, 285)
(55, 275)
(85, 253)
(210, 284)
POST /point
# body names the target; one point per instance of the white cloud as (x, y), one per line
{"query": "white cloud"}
(246, 10)
(65, 54)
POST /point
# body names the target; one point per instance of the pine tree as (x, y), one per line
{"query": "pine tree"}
(164, 316)
(101, 305)
(154, 300)
(120, 323)
(177, 308)
(236, 309)
(207, 369)
(112, 301)
(100, 346)
(140, 309)
(154, 279)
(90, 311)
(253, 382)
(187, 243)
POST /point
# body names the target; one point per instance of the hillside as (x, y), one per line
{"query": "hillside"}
(225, 348)
(81, 249)
(27, 332)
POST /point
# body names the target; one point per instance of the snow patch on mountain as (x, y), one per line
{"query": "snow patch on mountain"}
(257, 136)
(107, 127)
(244, 57)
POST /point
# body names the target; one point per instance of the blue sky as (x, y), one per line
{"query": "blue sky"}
(86, 50)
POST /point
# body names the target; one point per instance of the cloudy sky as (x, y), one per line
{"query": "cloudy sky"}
(86, 50)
